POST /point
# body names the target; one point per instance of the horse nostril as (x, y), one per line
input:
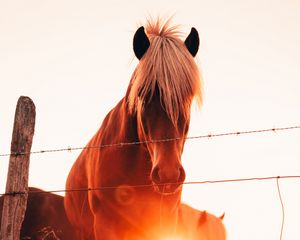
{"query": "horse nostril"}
(181, 175)
(155, 175)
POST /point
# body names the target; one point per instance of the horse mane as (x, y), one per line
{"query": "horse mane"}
(168, 66)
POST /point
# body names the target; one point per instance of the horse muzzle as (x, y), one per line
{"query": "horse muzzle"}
(167, 181)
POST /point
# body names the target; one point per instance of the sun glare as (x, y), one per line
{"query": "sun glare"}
(171, 238)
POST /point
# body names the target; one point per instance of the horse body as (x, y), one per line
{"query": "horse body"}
(45, 217)
(155, 107)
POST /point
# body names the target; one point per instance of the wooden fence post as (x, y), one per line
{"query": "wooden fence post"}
(14, 204)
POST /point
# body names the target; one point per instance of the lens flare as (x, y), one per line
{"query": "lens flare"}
(172, 238)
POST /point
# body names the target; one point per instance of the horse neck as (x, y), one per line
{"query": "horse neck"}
(118, 126)
(128, 124)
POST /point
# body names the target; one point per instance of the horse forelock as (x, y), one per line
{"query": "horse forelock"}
(168, 65)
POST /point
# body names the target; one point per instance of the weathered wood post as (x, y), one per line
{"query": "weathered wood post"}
(14, 205)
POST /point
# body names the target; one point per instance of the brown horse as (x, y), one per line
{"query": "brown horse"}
(156, 107)
(199, 225)
(45, 217)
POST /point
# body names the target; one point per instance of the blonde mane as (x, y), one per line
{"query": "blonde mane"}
(169, 65)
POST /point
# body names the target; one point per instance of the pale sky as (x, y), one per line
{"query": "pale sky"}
(74, 59)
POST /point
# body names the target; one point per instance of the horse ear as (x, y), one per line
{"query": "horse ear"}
(202, 218)
(141, 43)
(192, 42)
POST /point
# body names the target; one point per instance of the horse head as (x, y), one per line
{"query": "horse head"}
(161, 92)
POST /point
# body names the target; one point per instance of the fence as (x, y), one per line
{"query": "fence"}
(24, 152)
(17, 179)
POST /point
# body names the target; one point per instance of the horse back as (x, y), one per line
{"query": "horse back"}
(45, 217)
(200, 225)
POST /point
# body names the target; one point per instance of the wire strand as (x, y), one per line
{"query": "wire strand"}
(150, 185)
(122, 144)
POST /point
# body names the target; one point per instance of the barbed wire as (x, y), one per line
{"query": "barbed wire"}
(150, 185)
(122, 144)
(13, 194)
(282, 208)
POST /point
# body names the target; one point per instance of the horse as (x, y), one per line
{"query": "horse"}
(45, 217)
(140, 144)
(199, 225)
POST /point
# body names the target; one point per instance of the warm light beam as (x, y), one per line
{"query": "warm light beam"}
(171, 238)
